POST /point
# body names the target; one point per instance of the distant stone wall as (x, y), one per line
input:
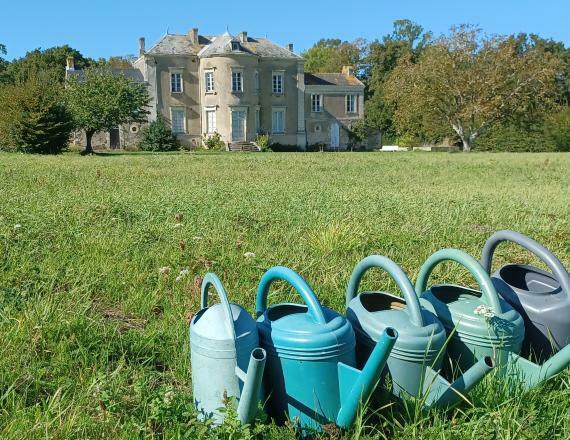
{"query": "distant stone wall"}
(129, 136)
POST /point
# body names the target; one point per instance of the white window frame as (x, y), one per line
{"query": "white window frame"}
(278, 110)
(351, 103)
(209, 83)
(183, 111)
(235, 72)
(235, 46)
(211, 126)
(173, 74)
(316, 98)
(278, 87)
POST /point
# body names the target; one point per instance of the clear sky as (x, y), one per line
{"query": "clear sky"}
(101, 28)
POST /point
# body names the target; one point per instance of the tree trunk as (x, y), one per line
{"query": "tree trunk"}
(466, 144)
(88, 136)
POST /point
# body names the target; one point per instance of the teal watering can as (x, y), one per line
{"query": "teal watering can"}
(482, 324)
(225, 356)
(310, 375)
(417, 355)
(542, 298)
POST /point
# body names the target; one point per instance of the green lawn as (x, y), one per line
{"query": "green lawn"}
(93, 339)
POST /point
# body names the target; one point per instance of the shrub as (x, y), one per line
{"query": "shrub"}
(157, 136)
(514, 139)
(557, 130)
(263, 141)
(33, 117)
(213, 142)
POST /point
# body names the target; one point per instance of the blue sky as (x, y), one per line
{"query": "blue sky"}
(101, 28)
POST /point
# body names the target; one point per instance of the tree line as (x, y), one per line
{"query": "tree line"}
(477, 91)
(466, 88)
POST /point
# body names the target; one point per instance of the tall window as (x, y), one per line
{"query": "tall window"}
(316, 103)
(351, 103)
(237, 85)
(257, 120)
(209, 81)
(176, 82)
(178, 120)
(278, 120)
(210, 121)
(278, 82)
(257, 80)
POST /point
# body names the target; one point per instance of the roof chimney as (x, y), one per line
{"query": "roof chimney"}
(141, 46)
(243, 37)
(70, 63)
(290, 47)
(348, 70)
(193, 34)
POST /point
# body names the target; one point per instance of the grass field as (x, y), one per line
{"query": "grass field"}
(93, 339)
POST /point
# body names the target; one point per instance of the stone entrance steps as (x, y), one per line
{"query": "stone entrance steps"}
(243, 146)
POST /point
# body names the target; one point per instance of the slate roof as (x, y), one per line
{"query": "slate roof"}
(218, 45)
(331, 79)
(134, 74)
(171, 44)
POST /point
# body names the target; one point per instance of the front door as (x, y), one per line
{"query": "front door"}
(335, 135)
(114, 139)
(238, 125)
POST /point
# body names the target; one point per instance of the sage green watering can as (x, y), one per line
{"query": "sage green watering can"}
(481, 323)
(417, 355)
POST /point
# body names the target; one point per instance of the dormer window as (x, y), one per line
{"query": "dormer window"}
(235, 46)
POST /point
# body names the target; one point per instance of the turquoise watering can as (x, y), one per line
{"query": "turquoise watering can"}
(225, 356)
(482, 324)
(417, 355)
(310, 375)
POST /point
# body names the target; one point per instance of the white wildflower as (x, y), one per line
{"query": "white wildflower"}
(178, 225)
(197, 238)
(165, 270)
(483, 310)
(182, 274)
(249, 255)
(17, 226)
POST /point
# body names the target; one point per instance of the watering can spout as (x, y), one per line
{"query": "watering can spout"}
(249, 398)
(440, 393)
(532, 374)
(356, 386)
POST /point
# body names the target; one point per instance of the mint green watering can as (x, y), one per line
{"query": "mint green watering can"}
(310, 376)
(482, 324)
(417, 355)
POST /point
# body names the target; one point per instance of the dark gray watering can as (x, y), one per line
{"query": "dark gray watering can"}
(542, 298)
(480, 323)
(225, 356)
(417, 355)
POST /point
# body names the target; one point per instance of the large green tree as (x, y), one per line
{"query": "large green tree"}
(33, 116)
(100, 100)
(330, 55)
(3, 63)
(407, 41)
(50, 61)
(469, 82)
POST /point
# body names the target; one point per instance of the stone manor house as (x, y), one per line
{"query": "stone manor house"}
(240, 86)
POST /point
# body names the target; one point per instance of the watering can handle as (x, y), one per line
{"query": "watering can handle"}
(398, 275)
(472, 265)
(530, 245)
(211, 279)
(314, 308)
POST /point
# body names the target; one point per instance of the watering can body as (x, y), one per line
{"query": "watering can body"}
(479, 323)
(542, 298)
(310, 376)
(225, 357)
(421, 336)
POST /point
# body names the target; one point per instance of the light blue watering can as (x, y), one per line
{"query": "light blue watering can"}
(416, 358)
(225, 356)
(310, 375)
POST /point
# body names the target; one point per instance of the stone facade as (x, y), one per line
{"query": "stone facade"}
(239, 86)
